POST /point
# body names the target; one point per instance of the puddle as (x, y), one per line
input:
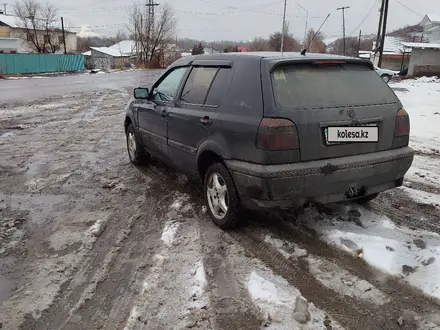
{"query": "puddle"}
(6, 288)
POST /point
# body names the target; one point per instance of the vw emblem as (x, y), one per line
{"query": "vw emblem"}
(351, 113)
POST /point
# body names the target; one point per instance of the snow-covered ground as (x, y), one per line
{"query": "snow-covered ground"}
(422, 101)
(412, 255)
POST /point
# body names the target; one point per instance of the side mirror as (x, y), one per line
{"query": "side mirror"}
(141, 93)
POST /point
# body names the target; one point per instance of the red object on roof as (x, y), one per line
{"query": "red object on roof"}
(243, 48)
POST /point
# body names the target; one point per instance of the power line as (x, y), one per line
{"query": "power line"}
(243, 8)
(408, 8)
(366, 16)
(299, 10)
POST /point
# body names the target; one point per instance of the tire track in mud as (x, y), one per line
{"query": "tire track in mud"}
(352, 313)
(111, 302)
(232, 305)
(405, 211)
(349, 312)
(402, 296)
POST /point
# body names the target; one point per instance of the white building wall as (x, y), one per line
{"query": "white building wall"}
(424, 62)
(25, 47)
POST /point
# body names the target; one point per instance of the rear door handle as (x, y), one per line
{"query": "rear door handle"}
(206, 121)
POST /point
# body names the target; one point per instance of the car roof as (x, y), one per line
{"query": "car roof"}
(271, 56)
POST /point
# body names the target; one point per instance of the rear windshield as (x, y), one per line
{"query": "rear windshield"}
(306, 86)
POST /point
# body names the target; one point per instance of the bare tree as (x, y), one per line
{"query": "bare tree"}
(290, 43)
(152, 37)
(259, 45)
(40, 23)
(315, 45)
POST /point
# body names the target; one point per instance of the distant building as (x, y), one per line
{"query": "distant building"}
(15, 39)
(425, 59)
(126, 53)
(107, 58)
(431, 28)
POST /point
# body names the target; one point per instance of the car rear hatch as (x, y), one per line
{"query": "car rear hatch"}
(339, 107)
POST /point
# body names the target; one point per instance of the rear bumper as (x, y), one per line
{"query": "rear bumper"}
(322, 181)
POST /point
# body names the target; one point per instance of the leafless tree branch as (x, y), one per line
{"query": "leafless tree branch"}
(40, 22)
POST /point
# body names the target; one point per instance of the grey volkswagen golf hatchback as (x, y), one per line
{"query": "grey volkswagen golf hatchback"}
(265, 130)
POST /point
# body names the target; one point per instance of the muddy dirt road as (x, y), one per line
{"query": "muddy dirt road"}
(88, 241)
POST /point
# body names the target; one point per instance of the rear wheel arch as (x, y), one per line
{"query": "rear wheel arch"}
(205, 160)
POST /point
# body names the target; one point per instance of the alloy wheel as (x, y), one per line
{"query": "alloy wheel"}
(218, 197)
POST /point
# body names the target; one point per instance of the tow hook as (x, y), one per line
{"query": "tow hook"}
(352, 192)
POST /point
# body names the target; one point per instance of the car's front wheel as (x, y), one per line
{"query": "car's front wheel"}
(221, 197)
(386, 78)
(136, 152)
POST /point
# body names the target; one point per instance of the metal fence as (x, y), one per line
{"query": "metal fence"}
(40, 63)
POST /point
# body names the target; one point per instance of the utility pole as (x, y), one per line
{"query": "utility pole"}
(359, 43)
(64, 35)
(343, 22)
(384, 31)
(4, 6)
(283, 31)
(150, 5)
(380, 25)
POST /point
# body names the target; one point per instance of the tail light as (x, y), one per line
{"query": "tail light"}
(277, 134)
(402, 123)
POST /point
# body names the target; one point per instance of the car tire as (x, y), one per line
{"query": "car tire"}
(136, 151)
(221, 197)
(386, 78)
(366, 199)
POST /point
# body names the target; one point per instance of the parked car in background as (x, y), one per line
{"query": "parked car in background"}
(386, 74)
(261, 130)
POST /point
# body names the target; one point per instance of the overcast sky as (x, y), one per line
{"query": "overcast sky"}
(245, 19)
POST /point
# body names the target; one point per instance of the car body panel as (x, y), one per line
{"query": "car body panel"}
(381, 72)
(317, 172)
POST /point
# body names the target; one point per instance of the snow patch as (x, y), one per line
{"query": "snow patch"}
(198, 286)
(7, 135)
(410, 254)
(38, 184)
(421, 102)
(422, 197)
(131, 321)
(331, 275)
(424, 170)
(169, 233)
(98, 227)
(287, 249)
(344, 283)
(276, 300)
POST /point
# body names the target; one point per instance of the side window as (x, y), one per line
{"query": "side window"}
(198, 84)
(219, 88)
(167, 89)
